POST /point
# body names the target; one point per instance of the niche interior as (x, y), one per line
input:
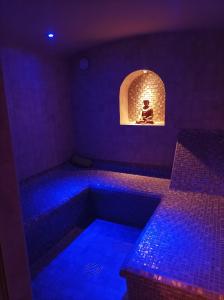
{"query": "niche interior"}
(142, 99)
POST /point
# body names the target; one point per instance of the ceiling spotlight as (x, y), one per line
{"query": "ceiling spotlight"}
(50, 35)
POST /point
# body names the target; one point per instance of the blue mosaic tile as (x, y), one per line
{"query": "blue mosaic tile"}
(198, 164)
(180, 253)
(182, 245)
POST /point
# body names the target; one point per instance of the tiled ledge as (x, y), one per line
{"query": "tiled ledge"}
(180, 251)
(54, 202)
(45, 192)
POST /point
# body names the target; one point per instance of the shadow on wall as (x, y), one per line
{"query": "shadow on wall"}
(3, 286)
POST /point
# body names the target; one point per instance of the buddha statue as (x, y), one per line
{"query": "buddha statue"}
(146, 114)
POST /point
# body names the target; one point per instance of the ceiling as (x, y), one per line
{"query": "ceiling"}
(79, 24)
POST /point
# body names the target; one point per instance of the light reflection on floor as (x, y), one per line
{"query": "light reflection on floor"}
(89, 267)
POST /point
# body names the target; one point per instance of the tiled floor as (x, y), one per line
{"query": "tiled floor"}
(89, 267)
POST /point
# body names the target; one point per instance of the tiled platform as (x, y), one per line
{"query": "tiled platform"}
(180, 253)
(61, 199)
(44, 193)
(181, 247)
(89, 267)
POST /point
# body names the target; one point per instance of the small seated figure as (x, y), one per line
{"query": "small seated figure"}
(146, 115)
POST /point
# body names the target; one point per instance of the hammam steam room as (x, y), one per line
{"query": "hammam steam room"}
(112, 150)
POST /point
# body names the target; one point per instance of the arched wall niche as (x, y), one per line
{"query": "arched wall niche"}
(142, 99)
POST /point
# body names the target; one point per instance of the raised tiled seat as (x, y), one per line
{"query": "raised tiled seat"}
(180, 252)
(56, 202)
(53, 204)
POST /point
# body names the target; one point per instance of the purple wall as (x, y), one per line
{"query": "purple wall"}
(38, 94)
(12, 242)
(198, 164)
(191, 66)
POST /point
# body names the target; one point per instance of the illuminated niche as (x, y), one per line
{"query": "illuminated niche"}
(142, 99)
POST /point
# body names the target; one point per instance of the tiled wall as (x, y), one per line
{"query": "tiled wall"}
(191, 67)
(147, 86)
(38, 94)
(201, 152)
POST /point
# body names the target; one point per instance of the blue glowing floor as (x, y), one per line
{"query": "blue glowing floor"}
(88, 269)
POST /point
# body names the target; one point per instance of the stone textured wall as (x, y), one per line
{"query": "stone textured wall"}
(38, 94)
(191, 67)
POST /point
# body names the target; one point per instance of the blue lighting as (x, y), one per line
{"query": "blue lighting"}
(51, 35)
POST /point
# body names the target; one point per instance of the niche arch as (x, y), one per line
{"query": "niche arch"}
(138, 89)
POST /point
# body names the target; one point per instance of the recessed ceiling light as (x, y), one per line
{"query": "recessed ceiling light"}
(50, 35)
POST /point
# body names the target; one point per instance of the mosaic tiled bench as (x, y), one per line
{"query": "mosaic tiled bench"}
(56, 202)
(180, 253)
